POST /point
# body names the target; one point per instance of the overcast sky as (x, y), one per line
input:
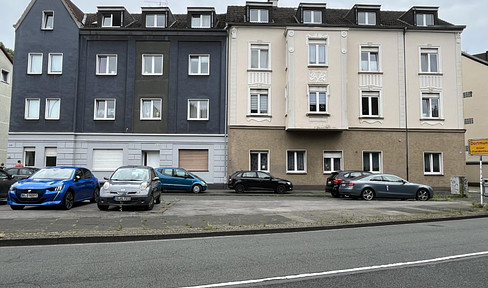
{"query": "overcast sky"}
(471, 13)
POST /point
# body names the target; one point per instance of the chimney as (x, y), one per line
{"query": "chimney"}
(275, 2)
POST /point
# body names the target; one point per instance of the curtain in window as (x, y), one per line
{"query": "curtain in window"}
(148, 65)
(300, 161)
(263, 100)
(146, 109)
(36, 64)
(56, 63)
(33, 108)
(112, 62)
(194, 64)
(291, 161)
(161, 21)
(193, 109)
(204, 64)
(111, 109)
(203, 109)
(53, 108)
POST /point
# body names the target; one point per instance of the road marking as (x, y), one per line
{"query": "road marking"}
(335, 272)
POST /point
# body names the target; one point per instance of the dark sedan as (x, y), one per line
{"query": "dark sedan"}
(384, 186)
(257, 180)
(334, 181)
(21, 172)
(6, 180)
(131, 186)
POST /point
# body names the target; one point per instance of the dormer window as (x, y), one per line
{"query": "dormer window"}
(424, 19)
(259, 15)
(112, 19)
(312, 17)
(155, 20)
(47, 20)
(201, 21)
(366, 18)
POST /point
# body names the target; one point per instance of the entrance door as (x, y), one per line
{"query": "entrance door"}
(150, 158)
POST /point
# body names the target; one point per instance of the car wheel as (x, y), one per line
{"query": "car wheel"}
(422, 195)
(280, 189)
(102, 207)
(196, 189)
(158, 200)
(367, 194)
(150, 203)
(17, 207)
(96, 194)
(335, 194)
(68, 201)
(240, 188)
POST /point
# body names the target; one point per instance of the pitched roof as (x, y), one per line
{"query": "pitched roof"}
(73, 10)
(6, 54)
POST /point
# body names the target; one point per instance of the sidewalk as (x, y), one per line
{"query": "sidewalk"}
(221, 212)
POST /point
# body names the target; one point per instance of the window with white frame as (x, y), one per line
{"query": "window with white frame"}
(112, 19)
(29, 156)
(47, 20)
(370, 103)
(429, 60)
(430, 105)
(107, 64)
(332, 161)
(312, 17)
(317, 51)
(432, 163)
(104, 109)
(259, 58)
(201, 21)
(155, 20)
(151, 109)
(199, 65)
(53, 108)
(107, 20)
(258, 15)
(317, 97)
(425, 19)
(372, 161)
(259, 104)
(198, 109)
(34, 65)
(152, 64)
(32, 107)
(296, 161)
(366, 18)
(55, 63)
(370, 59)
(259, 160)
(5, 76)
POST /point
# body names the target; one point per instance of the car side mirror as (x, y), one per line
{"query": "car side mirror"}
(10, 177)
(155, 179)
(77, 178)
(106, 178)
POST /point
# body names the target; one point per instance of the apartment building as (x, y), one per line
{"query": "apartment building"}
(6, 69)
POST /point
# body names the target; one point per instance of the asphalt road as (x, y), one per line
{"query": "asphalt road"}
(409, 255)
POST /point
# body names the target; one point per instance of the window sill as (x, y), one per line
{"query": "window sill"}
(318, 114)
(102, 119)
(259, 115)
(432, 119)
(47, 29)
(430, 73)
(52, 73)
(106, 74)
(197, 119)
(150, 119)
(152, 74)
(208, 74)
(296, 173)
(318, 65)
(372, 117)
(433, 174)
(52, 119)
(371, 72)
(31, 119)
(258, 70)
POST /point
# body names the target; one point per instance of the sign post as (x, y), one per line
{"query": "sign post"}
(479, 147)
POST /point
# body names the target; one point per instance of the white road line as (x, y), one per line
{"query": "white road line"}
(352, 270)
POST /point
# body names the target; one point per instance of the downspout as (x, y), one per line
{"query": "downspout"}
(405, 99)
(226, 95)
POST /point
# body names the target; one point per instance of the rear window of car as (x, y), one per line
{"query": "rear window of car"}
(167, 172)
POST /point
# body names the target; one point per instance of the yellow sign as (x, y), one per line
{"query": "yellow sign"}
(478, 147)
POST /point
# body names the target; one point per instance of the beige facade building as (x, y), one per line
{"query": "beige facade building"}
(313, 90)
(6, 66)
(475, 93)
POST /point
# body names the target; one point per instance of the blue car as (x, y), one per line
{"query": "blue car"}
(180, 179)
(61, 186)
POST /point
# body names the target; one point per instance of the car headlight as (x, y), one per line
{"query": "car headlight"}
(106, 185)
(12, 188)
(288, 183)
(57, 188)
(144, 185)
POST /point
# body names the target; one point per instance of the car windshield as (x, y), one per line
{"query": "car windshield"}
(195, 176)
(54, 174)
(131, 174)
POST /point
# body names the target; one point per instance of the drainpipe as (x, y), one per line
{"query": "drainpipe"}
(405, 99)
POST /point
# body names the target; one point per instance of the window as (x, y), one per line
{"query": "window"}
(317, 52)
(430, 105)
(107, 20)
(296, 162)
(198, 110)
(107, 159)
(47, 20)
(151, 109)
(152, 64)
(32, 107)
(432, 163)
(201, 21)
(468, 121)
(317, 99)
(369, 59)
(55, 65)
(332, 161)
(259, 160)
(155, 20)
(51, 156)
(370, 103)
(372, 161)
(468, 94)
(429, 60)
(53, 108)
(106, 64)
(366, 18)
(104, 109)
(5, 76)
(29, 156)
(193, 159)
(34, 65)
(259, 56)
(425, 19)
(259, 15)
(112, 19)
(199, 65)
(259, 103)
(312, 16)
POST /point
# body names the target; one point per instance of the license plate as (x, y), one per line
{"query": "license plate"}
(122, 198)
(29, 195)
